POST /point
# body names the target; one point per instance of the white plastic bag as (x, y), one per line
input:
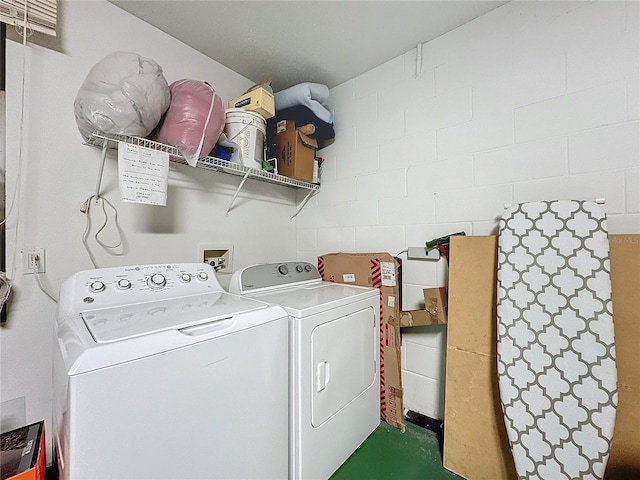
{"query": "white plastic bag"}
(124, 93)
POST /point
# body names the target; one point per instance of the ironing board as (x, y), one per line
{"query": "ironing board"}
(556, 354)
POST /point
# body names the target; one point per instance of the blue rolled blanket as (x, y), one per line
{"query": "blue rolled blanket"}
(311, 95)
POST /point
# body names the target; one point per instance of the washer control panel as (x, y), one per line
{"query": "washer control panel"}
(273, 275)
(140, 283)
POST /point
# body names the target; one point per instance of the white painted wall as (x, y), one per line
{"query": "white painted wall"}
(58, 173)
(533, 101)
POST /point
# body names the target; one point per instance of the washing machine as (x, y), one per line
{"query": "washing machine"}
(161, 374)
(334, 361)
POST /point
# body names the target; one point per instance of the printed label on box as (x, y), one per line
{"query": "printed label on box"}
(388, 274)
(281, 126)
(348, 278)
(243, 103)
(391, 301)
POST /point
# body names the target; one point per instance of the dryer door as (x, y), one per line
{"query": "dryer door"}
(343, 355)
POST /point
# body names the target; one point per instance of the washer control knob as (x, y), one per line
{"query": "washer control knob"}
(307, 268)
(97, 286)
(185, 277)
(204, 276)
(157, 280)
(299, 268)
(123, 284)
(283, 269)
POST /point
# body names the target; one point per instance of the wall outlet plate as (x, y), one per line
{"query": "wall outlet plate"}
(33, 261)
(220, 257)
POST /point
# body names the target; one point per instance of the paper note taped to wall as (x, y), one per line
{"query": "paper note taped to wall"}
(143, 174)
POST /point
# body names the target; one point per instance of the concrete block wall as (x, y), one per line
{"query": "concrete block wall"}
(533, 101)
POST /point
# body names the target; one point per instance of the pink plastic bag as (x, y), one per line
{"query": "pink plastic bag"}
(194, 120)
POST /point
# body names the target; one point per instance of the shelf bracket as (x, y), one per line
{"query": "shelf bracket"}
(303, 203)
(103, 158)
(233, 200)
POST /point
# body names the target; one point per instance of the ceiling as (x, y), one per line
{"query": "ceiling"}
(291, 42)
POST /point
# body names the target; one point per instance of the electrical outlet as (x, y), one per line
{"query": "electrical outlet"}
(219, 257)
(33, 261)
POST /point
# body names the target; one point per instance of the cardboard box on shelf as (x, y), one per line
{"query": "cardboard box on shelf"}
(434, 313)
(258, 99)
(475, 439)
(295, 151)
(22, 453)
(381, 271)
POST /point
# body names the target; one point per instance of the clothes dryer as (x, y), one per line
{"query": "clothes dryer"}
(160, 373)
(334, 361)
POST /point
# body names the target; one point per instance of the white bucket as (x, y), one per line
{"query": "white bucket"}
(248, 130)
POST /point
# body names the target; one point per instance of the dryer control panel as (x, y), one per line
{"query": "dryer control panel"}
(273, 275)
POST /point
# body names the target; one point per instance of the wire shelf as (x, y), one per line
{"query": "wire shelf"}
(98, 139)
(210, 163)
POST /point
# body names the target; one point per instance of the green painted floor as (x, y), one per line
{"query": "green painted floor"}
(388, 454)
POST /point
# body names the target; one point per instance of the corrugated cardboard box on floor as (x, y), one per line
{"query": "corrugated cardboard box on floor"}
(382, 271)
(22, 453)
(295, 151)
(475, 439)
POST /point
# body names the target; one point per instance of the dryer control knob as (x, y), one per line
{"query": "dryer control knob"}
(97, 286)
(299, 268)
(157, 280)
(307, 268)
(123, 284)
(283, 269)
(203, 276)
(185, 278)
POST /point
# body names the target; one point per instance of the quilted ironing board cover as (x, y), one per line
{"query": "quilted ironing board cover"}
(556, 354)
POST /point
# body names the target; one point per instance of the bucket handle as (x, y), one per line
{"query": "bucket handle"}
(241, 130)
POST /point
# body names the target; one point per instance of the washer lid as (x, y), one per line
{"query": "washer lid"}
(119, 323)
(305, 300)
